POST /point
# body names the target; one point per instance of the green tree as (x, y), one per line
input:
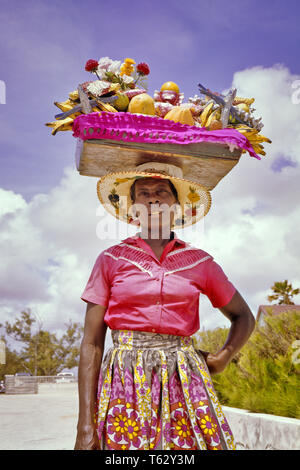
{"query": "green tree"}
(283, 293)
(42, 353)
(263, 377)
(12, 364)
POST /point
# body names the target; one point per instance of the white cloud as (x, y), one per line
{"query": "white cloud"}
(253, 227)
(10, 202)
(49, 244)
(48, 247)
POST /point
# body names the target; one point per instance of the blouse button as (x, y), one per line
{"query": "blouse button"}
(158, 302)
(153, 330)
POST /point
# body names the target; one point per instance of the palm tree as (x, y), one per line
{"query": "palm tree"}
(283, 293)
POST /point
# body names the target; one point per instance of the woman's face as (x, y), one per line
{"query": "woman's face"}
(154, 201)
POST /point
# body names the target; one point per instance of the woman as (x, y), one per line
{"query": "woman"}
(153, 390)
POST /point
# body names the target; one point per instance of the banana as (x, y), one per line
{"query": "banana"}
(238, 100)
(106, 107)
(262, 138)
(243, 108)
(258, 149)
(253, 134)
(254, 138)
(61, 125)
(67, 123)
(214, 116)
(206, 112)
(73, 95)
(64, 105)
(248, 133)
(245, 128)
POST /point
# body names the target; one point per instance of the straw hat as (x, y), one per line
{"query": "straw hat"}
(113, 192)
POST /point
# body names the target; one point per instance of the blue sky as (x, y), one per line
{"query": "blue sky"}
(46, 44)
(47, 211)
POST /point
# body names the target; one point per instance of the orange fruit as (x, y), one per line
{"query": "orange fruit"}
(170, 86)
(142, 104)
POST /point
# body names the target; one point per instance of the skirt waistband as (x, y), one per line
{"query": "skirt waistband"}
(129, 339)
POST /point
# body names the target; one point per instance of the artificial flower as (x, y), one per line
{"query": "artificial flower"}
(108, 65)
(143, 68)
(193, 195)
(127, 67)
(114, 66)
(129, 61)
(91, 65)
(110, 71)
(126, 79)
(99, 87)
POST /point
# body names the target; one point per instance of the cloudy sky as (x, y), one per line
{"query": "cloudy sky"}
(49, 214)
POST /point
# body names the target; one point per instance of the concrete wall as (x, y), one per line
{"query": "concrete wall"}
(20, 385)
(257, 431)
(51, 388)
(252, 431)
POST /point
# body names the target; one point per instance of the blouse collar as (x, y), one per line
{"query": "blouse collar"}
(137, 237)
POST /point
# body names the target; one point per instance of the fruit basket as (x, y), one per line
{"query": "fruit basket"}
(118, 125)
(205, 162)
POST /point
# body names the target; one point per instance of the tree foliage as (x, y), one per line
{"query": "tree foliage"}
(264, 376)
(12, 362)
(283, 293)
(42, 352)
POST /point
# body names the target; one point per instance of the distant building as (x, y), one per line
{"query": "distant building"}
(274, 310)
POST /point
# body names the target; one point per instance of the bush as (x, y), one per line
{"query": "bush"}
(262, 377)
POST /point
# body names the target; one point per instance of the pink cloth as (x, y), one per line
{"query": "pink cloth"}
(159, 296)
(148, 129)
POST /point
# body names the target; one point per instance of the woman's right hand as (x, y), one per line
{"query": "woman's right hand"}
(91, 351)
(87, 438)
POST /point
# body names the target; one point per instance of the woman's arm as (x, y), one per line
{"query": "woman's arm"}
(242, 326)
(91, 353)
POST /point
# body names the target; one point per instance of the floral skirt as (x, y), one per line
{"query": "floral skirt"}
(155, 392)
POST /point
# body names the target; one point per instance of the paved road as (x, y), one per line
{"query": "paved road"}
(45, 421)
(48, 420)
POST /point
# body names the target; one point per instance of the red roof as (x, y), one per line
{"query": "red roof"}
(276, 309)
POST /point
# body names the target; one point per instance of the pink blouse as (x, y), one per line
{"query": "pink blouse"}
(159, 296)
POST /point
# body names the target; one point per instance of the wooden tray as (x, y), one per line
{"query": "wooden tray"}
(204, 163)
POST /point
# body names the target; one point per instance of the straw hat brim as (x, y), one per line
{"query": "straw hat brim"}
(113, 191)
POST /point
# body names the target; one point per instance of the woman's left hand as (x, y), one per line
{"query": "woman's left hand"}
(242, 325)
(216, 363)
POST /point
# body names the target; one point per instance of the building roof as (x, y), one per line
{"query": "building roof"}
(276, 309)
